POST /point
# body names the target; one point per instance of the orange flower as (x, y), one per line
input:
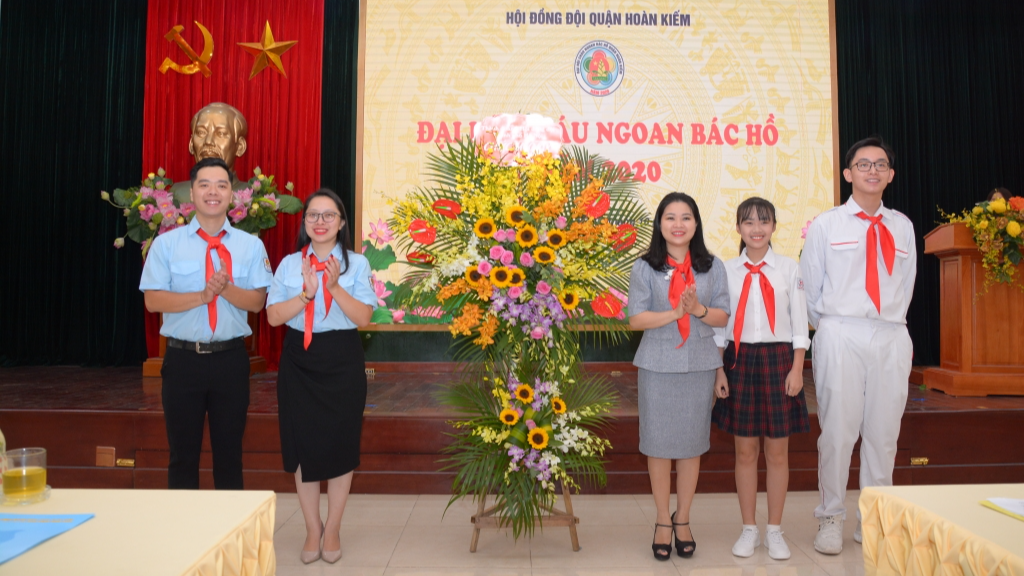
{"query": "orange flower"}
(588, 198)
(487, 331)
(549, 208)
(569, 172)
(460, 286)
(465, 323)
(484, 289)
(1017, 203)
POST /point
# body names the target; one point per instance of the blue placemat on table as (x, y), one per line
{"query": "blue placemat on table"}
(20, 533)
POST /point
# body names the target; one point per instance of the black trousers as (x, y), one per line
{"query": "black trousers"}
(197, 385)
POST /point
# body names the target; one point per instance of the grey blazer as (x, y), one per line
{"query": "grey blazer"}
(658, 352)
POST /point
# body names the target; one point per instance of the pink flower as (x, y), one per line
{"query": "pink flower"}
(187, 209)
(430, 312)
(380, 233)
(496, 252)
(484, 267)
(118, 242)
(515, 292)
(537, 333)
(257, 185)
(507, 257)
(146, 212)
(398, 316)
(243, 197)
(803, 231)
(543, 287)
(499, 236)
(380, 289)
(530, 424)
(560, 222)
(238, 213)
(526, 260)
(162, 196)
(273, 198)
(146, 192)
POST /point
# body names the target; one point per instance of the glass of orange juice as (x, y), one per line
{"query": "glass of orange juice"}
(24, 480)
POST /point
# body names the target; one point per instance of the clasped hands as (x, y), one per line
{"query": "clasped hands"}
(688, 303)
(311, 282)
(215, 285)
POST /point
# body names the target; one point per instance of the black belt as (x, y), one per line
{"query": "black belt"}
(206, 347)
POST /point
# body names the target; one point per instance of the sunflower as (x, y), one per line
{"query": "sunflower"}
(524, 393)
(569, 299)
(556, 239)
(558, 405)
(509, 417)
(516, 277)
(500, 276)
(514, 216)
(473, 276)
(484, 227)
(526, 236)
(544, 255)
(538, 438)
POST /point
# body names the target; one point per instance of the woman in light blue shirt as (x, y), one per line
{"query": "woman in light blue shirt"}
(323, 293)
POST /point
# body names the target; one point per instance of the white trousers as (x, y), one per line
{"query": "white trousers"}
(861, 377)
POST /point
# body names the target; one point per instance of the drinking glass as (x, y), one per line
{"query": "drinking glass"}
(24, 481)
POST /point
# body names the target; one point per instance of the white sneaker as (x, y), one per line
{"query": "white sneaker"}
(776, 545)
(749, 540)
(858, 537)
(830, 535)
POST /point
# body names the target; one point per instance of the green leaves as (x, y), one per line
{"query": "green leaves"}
(380, 259)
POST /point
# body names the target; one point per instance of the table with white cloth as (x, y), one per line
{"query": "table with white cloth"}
(936, 530)
(155, 532)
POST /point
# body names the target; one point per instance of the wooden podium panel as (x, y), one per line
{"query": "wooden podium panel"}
(981, 348)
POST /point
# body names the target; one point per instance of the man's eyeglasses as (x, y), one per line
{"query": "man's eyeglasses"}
(865, 166)
(328, 217)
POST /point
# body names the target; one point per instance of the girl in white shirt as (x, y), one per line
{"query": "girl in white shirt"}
(760, 387)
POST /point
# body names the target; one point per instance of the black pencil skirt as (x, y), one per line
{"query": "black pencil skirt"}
(321, 394)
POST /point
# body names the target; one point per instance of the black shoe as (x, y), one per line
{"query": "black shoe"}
(661, 551)
(684, 548)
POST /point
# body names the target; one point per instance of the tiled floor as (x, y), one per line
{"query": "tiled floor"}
(407, 535)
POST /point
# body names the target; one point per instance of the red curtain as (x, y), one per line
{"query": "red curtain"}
(283, 114)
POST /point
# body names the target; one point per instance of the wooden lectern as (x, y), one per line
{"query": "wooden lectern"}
(257, 364)
(981, 346)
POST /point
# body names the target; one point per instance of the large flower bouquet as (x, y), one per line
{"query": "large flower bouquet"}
(151, 209)
(997, 227)
(523, 246)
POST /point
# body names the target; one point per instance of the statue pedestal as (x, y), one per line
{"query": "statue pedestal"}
(257, 364)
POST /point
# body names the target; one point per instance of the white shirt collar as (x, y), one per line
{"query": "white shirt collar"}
(853, 209)
(769, 258)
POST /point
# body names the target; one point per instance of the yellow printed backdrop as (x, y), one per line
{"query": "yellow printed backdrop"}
(719, 99)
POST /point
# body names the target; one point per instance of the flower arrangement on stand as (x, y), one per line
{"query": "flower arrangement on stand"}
(523, 246)
(151, 209)
(997, 227)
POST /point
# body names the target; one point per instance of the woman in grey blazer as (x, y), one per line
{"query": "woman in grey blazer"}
(678, 292)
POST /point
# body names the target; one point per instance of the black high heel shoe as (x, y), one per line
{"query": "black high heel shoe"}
(685, 548)
(661, 551)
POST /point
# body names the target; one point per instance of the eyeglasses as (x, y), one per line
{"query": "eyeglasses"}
(328, 217)
(865, 166)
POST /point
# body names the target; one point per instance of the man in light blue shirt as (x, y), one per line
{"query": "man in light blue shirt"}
(205, 277)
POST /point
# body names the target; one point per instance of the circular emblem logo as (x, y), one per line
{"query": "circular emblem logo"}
(599, 68)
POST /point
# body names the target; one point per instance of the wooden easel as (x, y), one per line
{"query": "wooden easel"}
(488, 519)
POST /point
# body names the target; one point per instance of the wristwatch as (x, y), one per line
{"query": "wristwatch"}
(303, 298)
(704, 314)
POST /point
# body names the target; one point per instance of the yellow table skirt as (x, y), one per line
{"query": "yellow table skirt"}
(939, 530)
(155, 532)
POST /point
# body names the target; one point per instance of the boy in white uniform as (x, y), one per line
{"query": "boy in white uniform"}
(859, 264)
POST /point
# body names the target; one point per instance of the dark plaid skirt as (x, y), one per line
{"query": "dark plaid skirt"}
(758, 404)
